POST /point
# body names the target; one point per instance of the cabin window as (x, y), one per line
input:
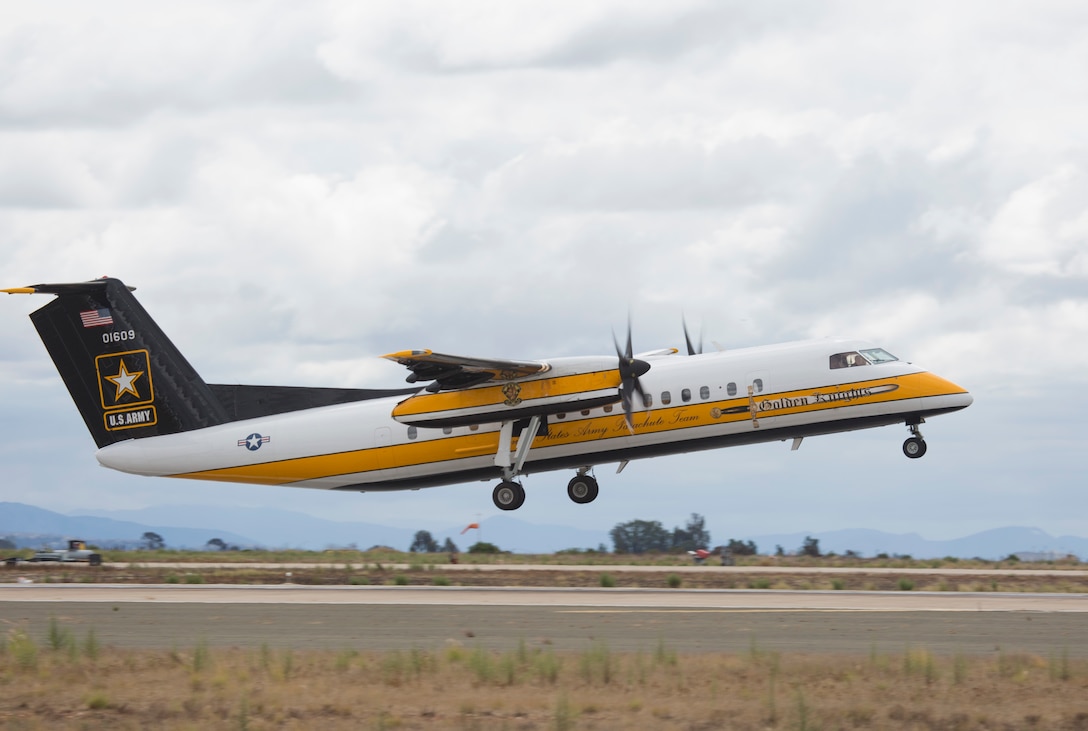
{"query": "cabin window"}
(413, 432)
(704, 392)
(608, 408)
(685, 395)
(447, 430)
(474, 427)
(585, 412)
(648, 401)
(666, 398)
(731, 388)
(757, 385)
(560, 416)
(848, 360)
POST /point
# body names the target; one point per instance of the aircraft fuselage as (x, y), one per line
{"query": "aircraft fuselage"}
(696, 402)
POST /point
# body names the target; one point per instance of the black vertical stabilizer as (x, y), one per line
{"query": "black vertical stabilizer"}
(126, 377)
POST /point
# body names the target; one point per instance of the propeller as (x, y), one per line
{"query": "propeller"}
(687, 338)
(631, 368)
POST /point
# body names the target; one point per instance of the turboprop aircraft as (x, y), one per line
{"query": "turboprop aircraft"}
(463, 419)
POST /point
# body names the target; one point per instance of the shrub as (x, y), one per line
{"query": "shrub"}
(482, 547)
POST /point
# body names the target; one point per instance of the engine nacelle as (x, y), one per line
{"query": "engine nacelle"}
(571, 384)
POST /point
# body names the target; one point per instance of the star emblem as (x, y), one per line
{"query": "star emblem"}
(254, 441)
(125, 382)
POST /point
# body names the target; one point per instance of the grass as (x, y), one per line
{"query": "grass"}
(345, 559)
(583, 569)
(528, 686)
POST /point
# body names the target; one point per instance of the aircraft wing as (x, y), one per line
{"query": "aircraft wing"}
(456, 371)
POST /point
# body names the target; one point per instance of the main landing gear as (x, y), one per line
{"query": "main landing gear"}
(915, 446)
(582, 488)
(508, 495)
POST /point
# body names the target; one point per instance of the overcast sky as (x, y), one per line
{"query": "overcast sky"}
(296, 189)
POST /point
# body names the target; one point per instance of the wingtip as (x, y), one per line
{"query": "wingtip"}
(19, 290)
(401, 354)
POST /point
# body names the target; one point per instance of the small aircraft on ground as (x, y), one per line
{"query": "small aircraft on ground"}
(464, 419)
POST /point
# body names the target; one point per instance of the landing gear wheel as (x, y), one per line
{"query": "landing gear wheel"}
(582, 489)
(508, 495)
(914, 447)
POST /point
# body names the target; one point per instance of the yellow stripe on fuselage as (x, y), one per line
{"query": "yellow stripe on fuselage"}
(452, 448)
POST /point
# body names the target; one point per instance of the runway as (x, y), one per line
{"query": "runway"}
(401, 618)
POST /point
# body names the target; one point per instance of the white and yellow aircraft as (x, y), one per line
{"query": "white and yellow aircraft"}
(475, 419)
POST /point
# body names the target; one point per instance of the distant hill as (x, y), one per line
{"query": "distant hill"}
(31, 527)
(991, 544)
(275, 528)
(192, 526)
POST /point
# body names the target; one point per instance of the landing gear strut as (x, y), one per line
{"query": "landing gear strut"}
(508, 495)
(915, 446)
(582, 488)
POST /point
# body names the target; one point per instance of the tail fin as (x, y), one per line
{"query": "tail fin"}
(126, 377)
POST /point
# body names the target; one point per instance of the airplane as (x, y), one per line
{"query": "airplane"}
(463, 418)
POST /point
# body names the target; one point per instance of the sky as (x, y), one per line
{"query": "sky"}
(296, 189)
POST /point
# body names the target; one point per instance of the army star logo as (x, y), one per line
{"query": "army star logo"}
(124, 382)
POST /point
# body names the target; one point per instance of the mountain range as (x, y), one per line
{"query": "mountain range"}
(193, 526)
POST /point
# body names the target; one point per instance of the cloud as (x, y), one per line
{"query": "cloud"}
(73, 65)
(1042, 228)
(298, 189)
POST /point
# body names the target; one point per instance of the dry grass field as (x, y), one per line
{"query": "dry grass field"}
(69, 681)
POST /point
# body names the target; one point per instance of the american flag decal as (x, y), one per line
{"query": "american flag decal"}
(96, 318)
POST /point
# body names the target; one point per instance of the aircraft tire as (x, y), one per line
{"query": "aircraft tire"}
(508, 495)
(582, 489)
(914, 447)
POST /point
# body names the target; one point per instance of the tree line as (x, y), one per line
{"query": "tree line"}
(633, 537)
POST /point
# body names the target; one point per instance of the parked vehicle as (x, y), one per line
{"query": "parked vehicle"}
(77, 552)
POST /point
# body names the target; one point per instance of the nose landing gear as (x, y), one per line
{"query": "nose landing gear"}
(915, 446)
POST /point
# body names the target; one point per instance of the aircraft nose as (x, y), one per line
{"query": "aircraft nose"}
(960, 399)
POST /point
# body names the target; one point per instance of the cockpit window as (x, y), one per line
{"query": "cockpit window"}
(878, 355)
(860, 358)
(847, 360)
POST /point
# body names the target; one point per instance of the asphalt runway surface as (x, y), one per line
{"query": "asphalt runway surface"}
(402, 618)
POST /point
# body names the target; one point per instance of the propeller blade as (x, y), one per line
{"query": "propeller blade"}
(630, 369)
(687, 338)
